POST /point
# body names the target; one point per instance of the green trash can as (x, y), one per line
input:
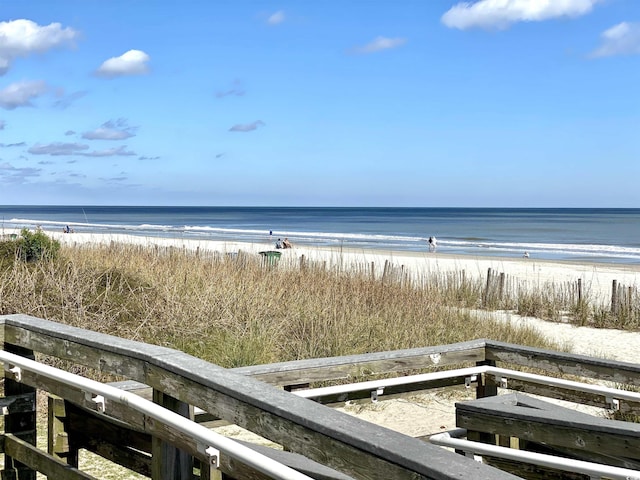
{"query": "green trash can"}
(270, 257)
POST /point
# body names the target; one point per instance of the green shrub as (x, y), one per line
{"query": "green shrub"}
(8, 252)
(34, 246)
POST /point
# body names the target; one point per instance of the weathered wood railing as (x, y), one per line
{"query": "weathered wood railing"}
(350, 447)
(180, 382)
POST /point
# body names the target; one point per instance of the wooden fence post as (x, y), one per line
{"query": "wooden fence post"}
(579, 291)
(614, 297)
(485, 298)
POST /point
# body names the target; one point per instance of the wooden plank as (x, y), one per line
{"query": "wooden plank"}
(541, 422)
(389, 392)
(293, 460)
(532, 472)
(355, 366)
(79, 351)
(569, 395)
(565, 363)
(41, 461)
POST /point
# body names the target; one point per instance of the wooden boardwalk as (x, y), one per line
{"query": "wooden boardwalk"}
(316, 440)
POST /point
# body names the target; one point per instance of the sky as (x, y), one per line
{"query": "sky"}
(408, 103)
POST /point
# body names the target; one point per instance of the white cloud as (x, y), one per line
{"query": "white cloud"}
(381, 43)
(247, 127)
(20, 38)
(111, 130)
(621, 39)
(500, 14)
(133, 62)
(11, 174)
(58, 148)
(276, 18)
(110, 152)
(20, 94)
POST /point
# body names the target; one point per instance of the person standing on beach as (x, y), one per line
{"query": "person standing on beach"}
(432, 244)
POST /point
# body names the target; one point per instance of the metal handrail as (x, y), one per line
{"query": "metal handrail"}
(209, 442)
(594, 470)
(611, 394)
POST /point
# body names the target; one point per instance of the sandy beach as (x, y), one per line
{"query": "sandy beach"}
(596, 278)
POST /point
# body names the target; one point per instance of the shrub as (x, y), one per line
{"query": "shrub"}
(8, 252)
(34, 246)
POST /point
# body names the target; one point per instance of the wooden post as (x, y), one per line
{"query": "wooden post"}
(485, 298)
(483, 389)
(58, 442)
(373, 271)
(614, 297)
(168, 462)
(579, 291)
(21, 424)
(502, 280)
(302, 262)
(385, 272)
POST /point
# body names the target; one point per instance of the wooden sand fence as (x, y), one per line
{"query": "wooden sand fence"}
(499, 286)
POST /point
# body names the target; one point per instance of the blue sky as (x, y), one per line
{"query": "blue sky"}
(506, 103)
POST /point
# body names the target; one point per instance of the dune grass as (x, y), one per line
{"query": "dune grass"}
(236, 310)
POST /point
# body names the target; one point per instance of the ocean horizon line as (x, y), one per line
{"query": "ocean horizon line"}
(588, 234)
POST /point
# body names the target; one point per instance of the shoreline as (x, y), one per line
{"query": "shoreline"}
(597, 278)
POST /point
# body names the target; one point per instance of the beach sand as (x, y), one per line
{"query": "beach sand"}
(434, 412)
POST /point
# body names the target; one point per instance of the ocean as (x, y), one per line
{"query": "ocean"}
(606, 235)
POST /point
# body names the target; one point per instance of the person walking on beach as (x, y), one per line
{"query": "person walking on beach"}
(432, 244)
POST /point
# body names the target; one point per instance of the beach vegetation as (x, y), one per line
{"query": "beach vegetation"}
(237, 310)
(29, 247)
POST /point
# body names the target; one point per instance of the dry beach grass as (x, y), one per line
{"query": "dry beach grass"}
(234, 310)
